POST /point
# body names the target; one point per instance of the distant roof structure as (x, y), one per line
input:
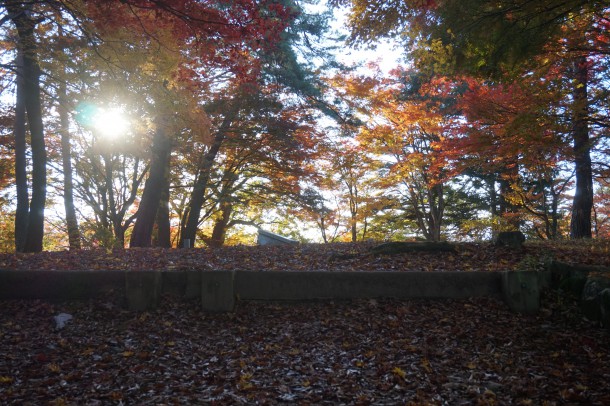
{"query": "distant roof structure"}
(269, 238)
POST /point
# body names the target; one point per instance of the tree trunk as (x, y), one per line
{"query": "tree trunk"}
(221, 225)
(109, 201)
(353, 206)
(21, 176)
(153, 189)
(493, 197)
(554, 215)
(437, 209)
(74, 237)
(322, 227)
(190, 220)
(163, 238)
(580, 225)
(30, 72)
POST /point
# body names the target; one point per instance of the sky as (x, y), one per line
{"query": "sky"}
(385, 53)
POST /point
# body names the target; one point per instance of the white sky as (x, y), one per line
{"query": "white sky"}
(384, 52)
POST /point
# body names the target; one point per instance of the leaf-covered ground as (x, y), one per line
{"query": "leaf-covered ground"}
(381, 352)
(314, 257)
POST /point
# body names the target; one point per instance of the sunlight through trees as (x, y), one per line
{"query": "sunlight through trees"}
(148, 123)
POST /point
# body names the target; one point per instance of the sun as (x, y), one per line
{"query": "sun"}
(110, 122)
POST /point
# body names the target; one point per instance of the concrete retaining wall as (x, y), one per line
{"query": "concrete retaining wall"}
(359, 285)
(59, 285)
(219, 291)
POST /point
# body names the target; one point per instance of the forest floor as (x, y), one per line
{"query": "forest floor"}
(316, 257)
(381, 352)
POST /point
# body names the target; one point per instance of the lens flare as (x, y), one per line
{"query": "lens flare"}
(110, 122)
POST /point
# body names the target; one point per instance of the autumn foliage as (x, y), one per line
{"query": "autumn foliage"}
(240, 116)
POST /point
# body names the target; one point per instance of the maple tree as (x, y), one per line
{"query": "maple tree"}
(403, 132)
(151, 197)
(243, 26)
(508, 137)
(264, 176)
(509, 41)
(476, 114)
(256, 113)
(312, 206)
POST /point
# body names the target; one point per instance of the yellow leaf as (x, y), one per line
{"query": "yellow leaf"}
(6, 379)
(425, 363)
(127, 354)
(399, 372)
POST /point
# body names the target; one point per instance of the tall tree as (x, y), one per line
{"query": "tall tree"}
(25, 21)
(287, 72)
(191, 217)
(74, 235)
(154, 187)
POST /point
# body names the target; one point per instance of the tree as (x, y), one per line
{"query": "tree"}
(154, 187)
(246, 179)
(30, 215)
(404, 130)
(508, 135)
(287, 78)
(311, 206)
(192, 214)
(507, 40)
(74, 235)
(194, 27)
(206, 35)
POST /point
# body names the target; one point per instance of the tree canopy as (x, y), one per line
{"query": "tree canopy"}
(174, 122)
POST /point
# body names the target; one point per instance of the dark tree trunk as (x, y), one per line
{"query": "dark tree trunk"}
(190, 220)
(511, 218)
(493, 197)
(163, 237)
(30, 73)
(219, 232)
(580, 225)
(153, 189)
(436, 201)
(21, 177)
(74, 237)
(353, 206)
(554, 215)
(109, 201)
(322, 226)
